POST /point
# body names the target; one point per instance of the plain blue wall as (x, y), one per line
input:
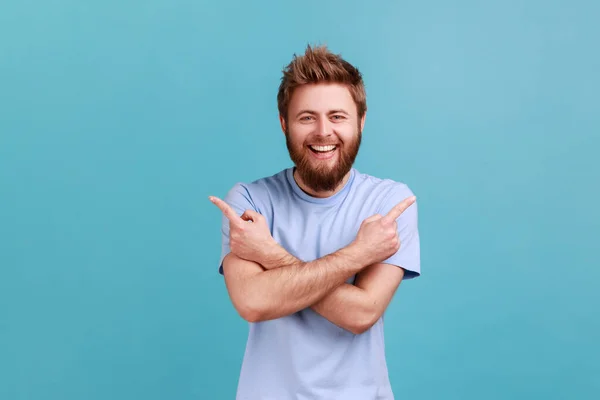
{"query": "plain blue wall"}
(118, 119)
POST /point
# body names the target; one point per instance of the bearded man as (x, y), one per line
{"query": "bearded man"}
(312, 255)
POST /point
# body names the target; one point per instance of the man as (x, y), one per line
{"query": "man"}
(312, 256)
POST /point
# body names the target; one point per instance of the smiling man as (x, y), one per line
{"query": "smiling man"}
(312, 255)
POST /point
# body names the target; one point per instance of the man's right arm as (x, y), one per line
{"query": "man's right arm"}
(284, 285)
(259, 294)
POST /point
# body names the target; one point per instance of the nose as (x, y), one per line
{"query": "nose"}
(324, 127)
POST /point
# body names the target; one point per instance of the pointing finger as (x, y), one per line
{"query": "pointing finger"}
(225, 208)
(399, 208)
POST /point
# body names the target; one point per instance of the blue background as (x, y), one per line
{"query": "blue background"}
(118, 119)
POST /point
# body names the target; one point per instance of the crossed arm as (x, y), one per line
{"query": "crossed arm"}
(357, 307)
(265, 282)
(261, 294)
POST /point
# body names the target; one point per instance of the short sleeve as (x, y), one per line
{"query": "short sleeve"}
(240, 200)
(408, 257)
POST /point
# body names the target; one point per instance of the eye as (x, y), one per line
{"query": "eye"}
(338, 117)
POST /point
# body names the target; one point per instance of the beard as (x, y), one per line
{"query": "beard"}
(323, 177)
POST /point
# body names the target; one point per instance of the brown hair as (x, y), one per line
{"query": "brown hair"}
(319, 65)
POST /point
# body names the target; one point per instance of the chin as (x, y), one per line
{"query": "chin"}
(323, 171)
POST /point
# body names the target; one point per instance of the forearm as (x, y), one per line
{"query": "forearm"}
(295, 285)
(348, 307)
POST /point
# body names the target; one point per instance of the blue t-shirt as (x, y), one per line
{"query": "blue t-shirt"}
(303, 355)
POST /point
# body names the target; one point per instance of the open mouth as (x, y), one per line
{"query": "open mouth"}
(323, 149)
(327, 152)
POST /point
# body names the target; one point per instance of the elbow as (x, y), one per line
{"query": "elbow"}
(251, 311)
(359, 329)
(251, 315)
(363, 322)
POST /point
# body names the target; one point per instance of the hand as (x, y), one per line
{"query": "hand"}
(249, 235)
(377, 237)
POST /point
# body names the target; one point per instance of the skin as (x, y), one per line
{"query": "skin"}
(264, 281)
(321, 114)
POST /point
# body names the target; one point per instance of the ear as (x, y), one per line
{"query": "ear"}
(282, 122)
(362, 122)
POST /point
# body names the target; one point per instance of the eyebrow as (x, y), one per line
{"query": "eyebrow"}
(336, 111)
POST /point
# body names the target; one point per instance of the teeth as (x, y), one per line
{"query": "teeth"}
(323, 148)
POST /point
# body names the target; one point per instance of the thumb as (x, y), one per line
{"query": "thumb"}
(373, 218)
(251, 215)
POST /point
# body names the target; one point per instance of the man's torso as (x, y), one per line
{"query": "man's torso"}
(303, 355)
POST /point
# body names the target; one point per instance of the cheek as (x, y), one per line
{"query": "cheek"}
(293, 141)
(347, 133)
(297, 136)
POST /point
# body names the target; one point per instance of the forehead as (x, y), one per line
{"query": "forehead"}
(322, 97)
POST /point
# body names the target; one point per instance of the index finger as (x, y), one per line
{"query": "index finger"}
(225, 208)
(399, 208)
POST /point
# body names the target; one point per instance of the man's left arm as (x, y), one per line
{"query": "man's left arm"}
(358, 307)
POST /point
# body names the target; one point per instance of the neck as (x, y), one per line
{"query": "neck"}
(320, 193)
